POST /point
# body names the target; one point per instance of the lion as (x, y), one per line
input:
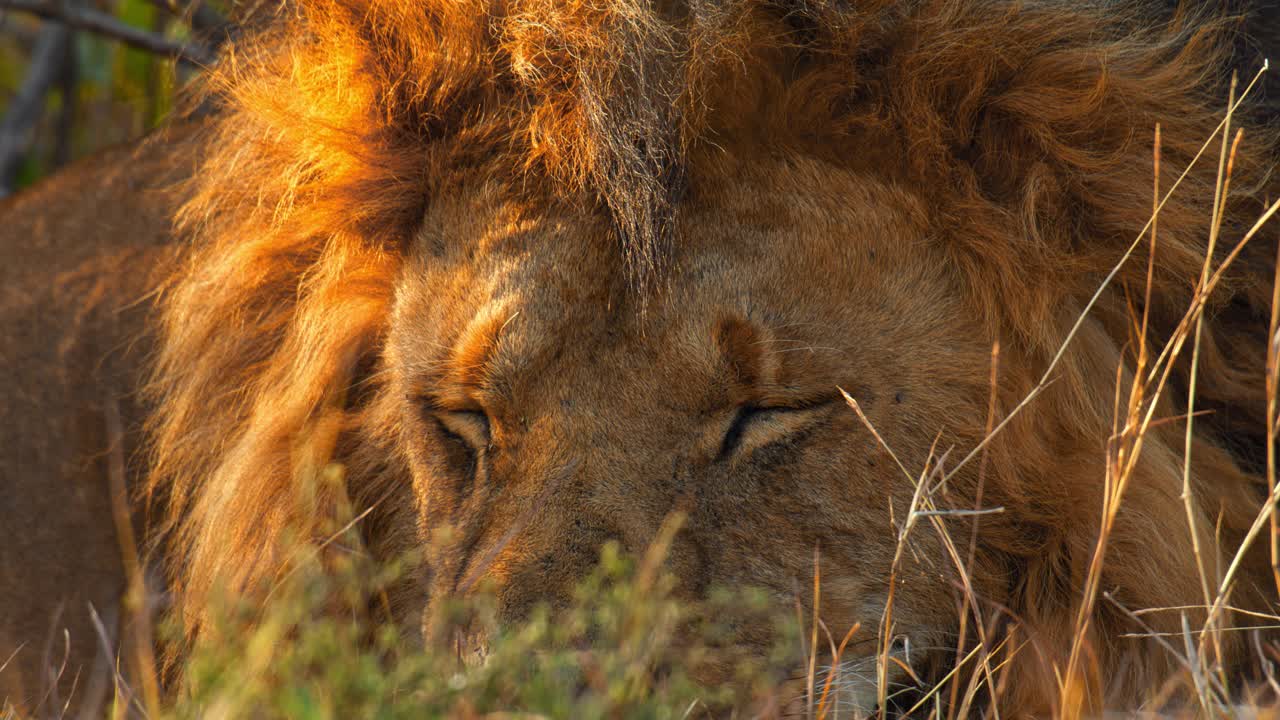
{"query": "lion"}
(82, 253)
(541, 275)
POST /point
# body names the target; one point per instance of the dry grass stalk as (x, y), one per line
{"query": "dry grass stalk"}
(136, 600)
(1134, 419)
(973, 531)
(922, 506)
(1273, 376)
(1126, 446)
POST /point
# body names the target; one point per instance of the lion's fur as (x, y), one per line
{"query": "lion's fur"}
(1021, 132)
(81, 254)
(1026, 128)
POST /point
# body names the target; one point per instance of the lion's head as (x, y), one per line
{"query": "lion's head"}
(541, 274)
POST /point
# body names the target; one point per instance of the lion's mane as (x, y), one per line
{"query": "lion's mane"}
(1027, 127)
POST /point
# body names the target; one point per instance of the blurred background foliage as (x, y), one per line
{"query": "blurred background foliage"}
(76, 77)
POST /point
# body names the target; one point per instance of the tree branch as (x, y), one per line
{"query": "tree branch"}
(46, 65)
(65, 126)
(209, 25)
(103, 24)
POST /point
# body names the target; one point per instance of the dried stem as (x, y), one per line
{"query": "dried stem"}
(136, 601)
(1226, 161)
(1272, 380)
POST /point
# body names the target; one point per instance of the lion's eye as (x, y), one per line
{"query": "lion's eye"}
(470, 427)
(465, 441)
(733, 436)
(754, 426)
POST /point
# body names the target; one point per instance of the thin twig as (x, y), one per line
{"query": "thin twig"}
(101, 23)
(960, 513)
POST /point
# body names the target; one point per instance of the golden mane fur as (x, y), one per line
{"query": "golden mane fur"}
(1026, 128)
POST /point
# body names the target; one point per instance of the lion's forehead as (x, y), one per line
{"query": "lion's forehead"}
(825, 277)
(770, 235)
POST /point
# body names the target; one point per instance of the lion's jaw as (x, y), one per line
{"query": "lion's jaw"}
(545, 409)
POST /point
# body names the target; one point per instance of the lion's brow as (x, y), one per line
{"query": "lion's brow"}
(483, 353)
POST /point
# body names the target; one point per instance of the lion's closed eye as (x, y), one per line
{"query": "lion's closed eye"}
(753, 427)
(465, 438)
(470, 427)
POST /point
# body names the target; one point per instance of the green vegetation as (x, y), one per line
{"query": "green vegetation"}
(625, 648)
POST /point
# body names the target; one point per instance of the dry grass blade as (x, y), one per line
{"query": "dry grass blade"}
(136, 600)
(1273, 391)
(835, 665)
(959, 513)
(12, 655)
(1189, 631)
(992, 402)
(1224, 184)
(1235, 610)
(813, 637)
(1226, 163)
